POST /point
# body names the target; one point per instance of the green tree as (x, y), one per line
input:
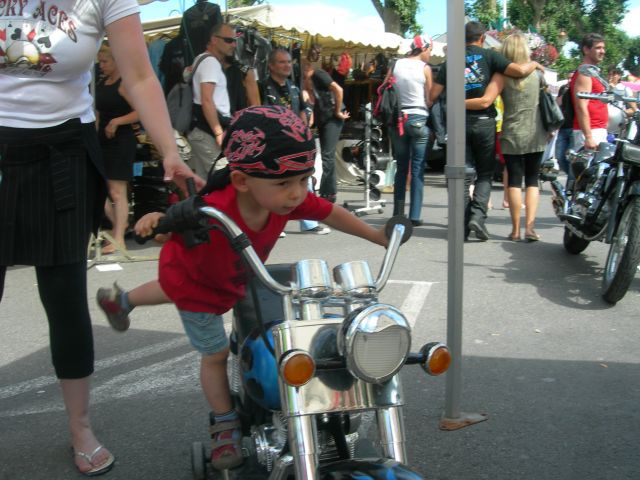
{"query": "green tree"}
(484, 11)
(632, 62)
(399, 16)
(560, 21)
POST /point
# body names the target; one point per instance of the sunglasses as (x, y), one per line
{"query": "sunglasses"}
(228, 40)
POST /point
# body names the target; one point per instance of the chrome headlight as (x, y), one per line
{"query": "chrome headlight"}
(375, 342)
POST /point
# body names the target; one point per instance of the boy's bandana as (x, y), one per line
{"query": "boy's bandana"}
(269, 142)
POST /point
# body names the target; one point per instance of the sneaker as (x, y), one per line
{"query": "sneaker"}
(479, 229)
(109, 302)
(318, 230)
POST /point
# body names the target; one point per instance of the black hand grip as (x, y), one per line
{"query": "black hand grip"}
(401, 220)
(163, 227)
(180, 217)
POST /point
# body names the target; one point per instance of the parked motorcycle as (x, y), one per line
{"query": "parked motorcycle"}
(604, 202)
(308, 356)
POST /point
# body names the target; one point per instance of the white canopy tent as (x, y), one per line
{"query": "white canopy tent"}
(309, 26)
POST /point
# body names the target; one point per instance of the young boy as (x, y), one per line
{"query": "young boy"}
(271, 154)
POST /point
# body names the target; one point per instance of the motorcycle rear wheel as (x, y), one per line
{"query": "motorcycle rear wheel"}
(572, 243)
(624, 254)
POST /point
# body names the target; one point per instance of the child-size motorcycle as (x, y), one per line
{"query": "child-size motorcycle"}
(309, 354)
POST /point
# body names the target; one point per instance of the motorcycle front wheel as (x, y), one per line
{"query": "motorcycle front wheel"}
(572, 243)
(624, 254)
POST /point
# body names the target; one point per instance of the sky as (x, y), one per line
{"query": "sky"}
(432, 14)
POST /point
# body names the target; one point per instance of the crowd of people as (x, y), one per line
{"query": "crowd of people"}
(251, 141)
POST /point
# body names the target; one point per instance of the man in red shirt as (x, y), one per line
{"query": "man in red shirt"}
(591, 116)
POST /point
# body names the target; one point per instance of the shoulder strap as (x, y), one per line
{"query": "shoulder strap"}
(198, 62)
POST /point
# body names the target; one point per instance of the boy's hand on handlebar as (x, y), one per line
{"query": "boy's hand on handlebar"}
(144, 227)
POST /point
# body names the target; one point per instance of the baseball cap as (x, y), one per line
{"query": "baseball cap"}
(421, 41)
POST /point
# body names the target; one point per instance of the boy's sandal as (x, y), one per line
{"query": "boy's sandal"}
(228, 457)
(95, 470)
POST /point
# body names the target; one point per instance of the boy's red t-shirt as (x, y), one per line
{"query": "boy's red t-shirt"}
(211, 277)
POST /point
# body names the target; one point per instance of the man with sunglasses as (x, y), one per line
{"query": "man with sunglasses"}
(211, 104)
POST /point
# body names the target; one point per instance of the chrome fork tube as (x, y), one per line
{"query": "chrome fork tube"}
(303, 439)
(391, 431)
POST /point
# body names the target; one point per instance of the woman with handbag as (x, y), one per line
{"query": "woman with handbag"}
(523, 139)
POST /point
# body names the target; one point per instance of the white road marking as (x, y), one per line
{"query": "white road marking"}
(40, 382)
(166, 375)
(415, 300)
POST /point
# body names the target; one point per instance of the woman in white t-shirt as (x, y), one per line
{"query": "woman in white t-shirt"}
(410, 133)
(52, 187)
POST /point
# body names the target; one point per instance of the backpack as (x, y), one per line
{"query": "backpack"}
(180, 99)
(567, 107)
(387, 108)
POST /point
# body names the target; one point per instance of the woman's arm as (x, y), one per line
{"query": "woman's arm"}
(428, 83)
(210, 111)
(338, 94)
(491, 92)
(130, 52)
(131, 117)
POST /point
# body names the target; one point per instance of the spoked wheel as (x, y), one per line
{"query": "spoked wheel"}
(624, 254)
(572, 243)
(198, 461)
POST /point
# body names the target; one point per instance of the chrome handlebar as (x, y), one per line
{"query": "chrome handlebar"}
(242, 243)
(608, 97)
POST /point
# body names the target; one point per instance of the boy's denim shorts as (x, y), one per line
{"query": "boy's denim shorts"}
(205, 331)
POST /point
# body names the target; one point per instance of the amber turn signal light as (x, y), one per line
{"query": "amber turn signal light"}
(297, 367)
(436, 358)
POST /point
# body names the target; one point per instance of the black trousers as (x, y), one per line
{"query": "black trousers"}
(329, 133)
(525, 165)
(481, 160)
(51, 197)
(63, 293)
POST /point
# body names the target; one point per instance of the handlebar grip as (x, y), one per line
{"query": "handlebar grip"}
(603, 97)
(163, 227)
(399, 220)
(182, 217)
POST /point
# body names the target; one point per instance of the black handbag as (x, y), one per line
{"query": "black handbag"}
(552, 118)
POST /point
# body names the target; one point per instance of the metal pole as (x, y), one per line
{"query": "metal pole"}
(455, 170)
(453, 418)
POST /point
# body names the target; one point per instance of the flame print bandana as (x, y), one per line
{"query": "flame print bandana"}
(269, 142)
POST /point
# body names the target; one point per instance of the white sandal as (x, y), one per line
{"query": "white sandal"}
(96, 469)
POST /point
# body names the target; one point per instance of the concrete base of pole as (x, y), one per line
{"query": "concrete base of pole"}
(464, 420)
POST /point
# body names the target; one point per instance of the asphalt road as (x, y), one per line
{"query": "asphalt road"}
(553, 366)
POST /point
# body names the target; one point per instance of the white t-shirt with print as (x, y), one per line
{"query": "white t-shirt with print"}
(210, 71)
(47, 51)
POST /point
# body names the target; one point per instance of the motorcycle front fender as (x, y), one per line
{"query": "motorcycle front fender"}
(367, 469)
(633, 191)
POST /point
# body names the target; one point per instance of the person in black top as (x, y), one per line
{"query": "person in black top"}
(118, 143)
(329, 116)
(480, 65)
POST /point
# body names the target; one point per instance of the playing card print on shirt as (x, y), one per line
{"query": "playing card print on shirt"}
(27, 39)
